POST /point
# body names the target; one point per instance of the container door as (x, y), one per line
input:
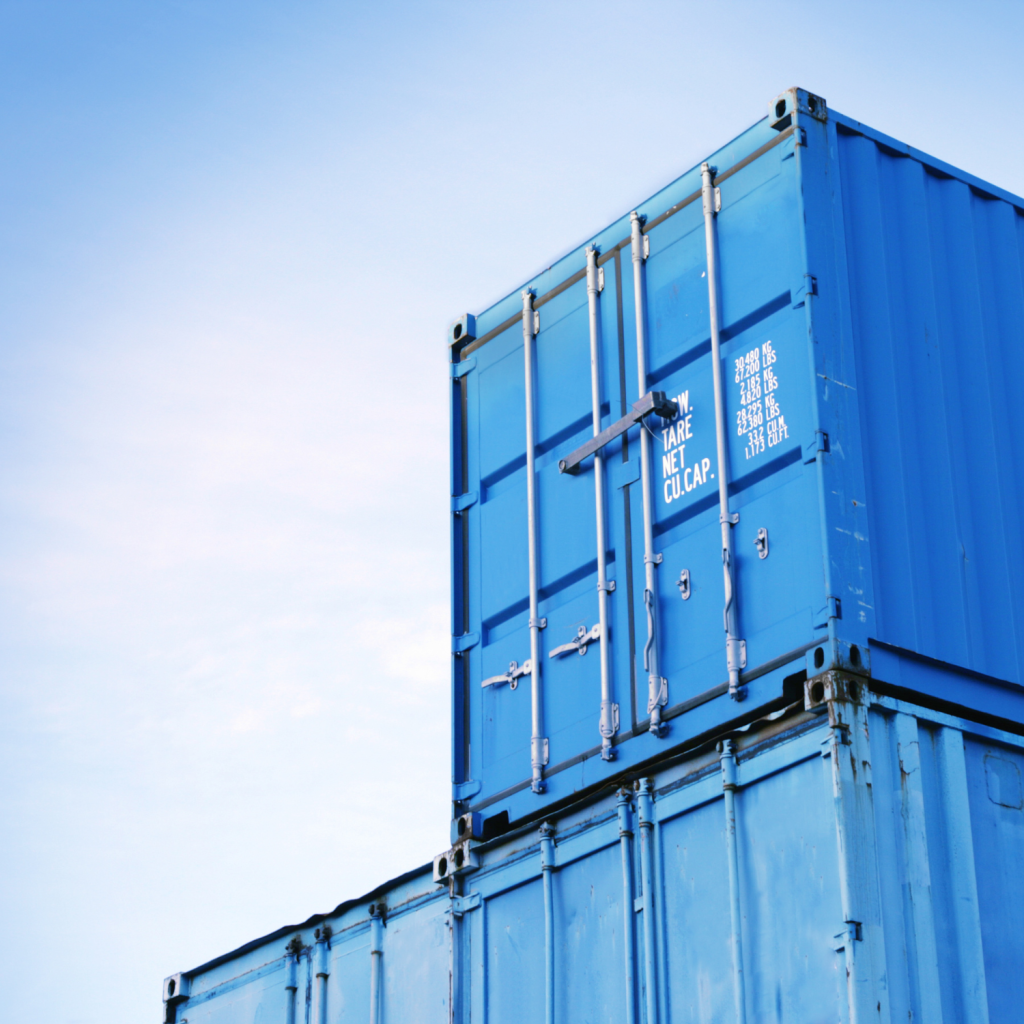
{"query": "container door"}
(500, 713)
(770, 427)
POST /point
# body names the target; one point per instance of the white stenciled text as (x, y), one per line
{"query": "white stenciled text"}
(759, 416)
(678, 477)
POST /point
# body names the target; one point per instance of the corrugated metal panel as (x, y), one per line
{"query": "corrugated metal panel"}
(938, 319)
(922, 842)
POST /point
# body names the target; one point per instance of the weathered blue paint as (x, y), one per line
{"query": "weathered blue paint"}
(871, 303)
(876, 879)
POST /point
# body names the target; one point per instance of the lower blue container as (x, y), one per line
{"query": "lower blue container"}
(852, 858)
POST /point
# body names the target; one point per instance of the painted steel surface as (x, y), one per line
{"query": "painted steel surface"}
(876, 872)
(866, 303)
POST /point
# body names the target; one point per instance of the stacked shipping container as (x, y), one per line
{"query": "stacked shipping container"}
(736, 681)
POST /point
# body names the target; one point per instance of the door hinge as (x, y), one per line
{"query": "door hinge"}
(464, 642)
(461, 369)
(464, 790)
(463, 904)
(852, 932)
(460, 502)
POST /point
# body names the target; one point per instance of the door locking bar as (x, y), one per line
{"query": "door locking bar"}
(512, 676)
(578, 644)
(653, 401)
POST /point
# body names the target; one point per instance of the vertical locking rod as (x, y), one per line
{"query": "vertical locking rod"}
(735, 655)
(657, 688)
(645, 806)
(537, 744)
(376, 953)
(608, 725)
(323, 970)
(291, 985)
(728, 764)
(547, 865)
(628, 911)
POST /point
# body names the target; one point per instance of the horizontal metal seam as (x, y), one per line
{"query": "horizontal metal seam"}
(610, 252)
(672, 712)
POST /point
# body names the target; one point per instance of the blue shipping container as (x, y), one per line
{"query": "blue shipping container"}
(757, 430)
(856, 858)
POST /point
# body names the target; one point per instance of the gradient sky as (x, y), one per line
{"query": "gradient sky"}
(233, 236)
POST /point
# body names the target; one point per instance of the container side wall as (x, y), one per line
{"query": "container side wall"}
(938, 319)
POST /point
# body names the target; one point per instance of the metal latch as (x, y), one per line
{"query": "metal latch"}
(647, 246)
(579, 642)
(600, 279)
(761, 543)
(653, 401)
(512, 676)
(536, 321)
(683, 583)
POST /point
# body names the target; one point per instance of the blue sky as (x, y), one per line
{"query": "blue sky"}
(233, 238)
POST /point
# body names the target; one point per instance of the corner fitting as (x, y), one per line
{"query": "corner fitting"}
(787, 107)
(176, 988)
(821, 692)
(462, 332)
(461, 859)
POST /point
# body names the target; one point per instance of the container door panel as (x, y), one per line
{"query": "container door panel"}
(262, 999)
(416, 962)
(589, 948)
(769, 422)
(699, 966)
(566, 533)
(514, 957)
(790, 894)
(348, 984)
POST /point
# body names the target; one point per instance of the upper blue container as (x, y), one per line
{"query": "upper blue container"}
(805, 462)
